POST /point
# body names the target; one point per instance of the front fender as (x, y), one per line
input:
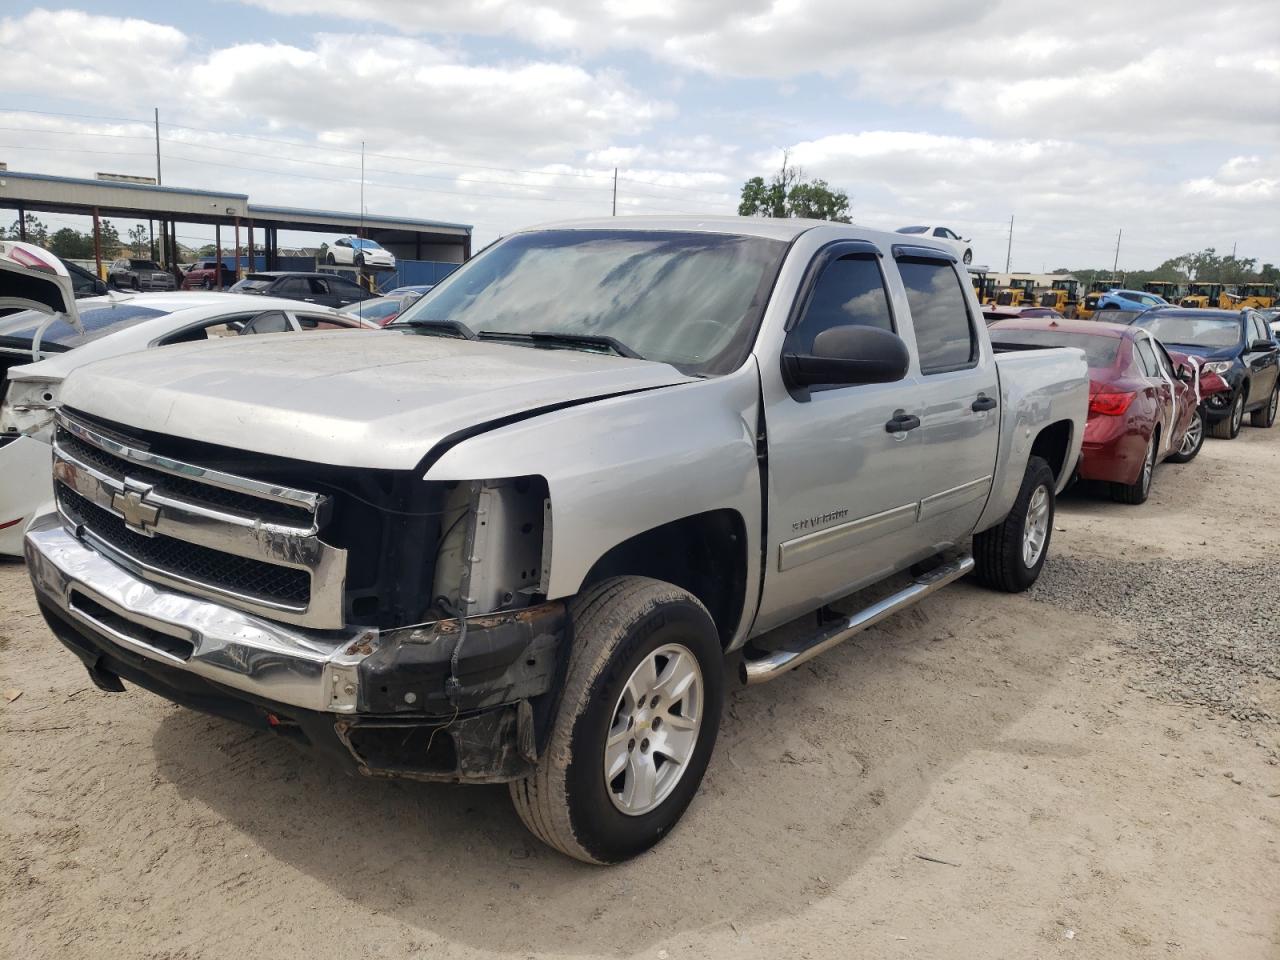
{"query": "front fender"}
(621, 466)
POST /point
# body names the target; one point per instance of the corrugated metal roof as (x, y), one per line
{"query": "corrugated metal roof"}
(123, 185)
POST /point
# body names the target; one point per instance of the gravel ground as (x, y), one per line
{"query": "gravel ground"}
(1052, 775)
(1202, 634)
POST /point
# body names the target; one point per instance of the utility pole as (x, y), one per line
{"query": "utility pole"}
(1008, 254)
(164, 234)
(615, 191)
(1115, 264)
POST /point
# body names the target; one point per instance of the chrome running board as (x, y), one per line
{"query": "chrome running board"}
(778, 662)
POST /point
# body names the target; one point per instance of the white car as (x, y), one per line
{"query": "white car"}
(947, 236)
(52, 334)
(359, 252)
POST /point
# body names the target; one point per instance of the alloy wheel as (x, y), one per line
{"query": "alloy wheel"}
(1149, 466)
(1237, 414)
(654, 730)
(1191, 439)
(1035, 530)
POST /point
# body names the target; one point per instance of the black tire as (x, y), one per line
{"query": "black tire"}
(616, 624)
(1140, 489)
(330, 259)
(968, 257)
(1266, 416)
(998, 551)
(1228, 428)
(136, 284)
(360, 261)
(1192, 440)
(206, 284)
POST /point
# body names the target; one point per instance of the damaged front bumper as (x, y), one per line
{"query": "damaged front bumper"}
(391, 702)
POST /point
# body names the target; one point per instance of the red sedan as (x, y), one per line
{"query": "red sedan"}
(1143, 406)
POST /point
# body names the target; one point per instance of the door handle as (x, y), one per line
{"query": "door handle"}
(983, 403)
(902, 422)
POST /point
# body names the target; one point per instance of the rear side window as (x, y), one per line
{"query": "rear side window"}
(273, 321)
(1147, 357)
(940, 315)
(293, 287)
(850, 291)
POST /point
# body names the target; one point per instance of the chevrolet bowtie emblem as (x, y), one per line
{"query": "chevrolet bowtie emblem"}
(138, 514)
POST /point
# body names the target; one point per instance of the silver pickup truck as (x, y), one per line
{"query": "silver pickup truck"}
(516, 536)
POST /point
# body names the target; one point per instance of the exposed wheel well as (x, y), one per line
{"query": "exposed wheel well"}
(705, 554)
(1052, 444)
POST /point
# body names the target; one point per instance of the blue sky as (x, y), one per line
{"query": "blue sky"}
(503, 114)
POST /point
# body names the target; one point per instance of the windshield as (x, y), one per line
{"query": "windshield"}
(142, 265)
(913, 230)
(1194, 331)
(1099, 351)
(98, 320)
(693, 300)
(365, 245)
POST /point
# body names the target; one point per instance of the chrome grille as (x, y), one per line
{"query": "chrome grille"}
(284, 585)
(252, 544)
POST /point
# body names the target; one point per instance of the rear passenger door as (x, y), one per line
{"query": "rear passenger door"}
(343, 292)
(1166, 412)
(842, 489)
(1262, 364)
(956, 397)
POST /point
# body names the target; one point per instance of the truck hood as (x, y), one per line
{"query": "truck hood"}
(350, 398)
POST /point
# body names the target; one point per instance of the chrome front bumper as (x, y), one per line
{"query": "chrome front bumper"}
(314, 670)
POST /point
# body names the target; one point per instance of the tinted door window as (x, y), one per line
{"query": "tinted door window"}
(292, 287)
(1147, 357)
(1257, 330)
(343, 288)
(944, 331)
(1165, 361)
(849, 291)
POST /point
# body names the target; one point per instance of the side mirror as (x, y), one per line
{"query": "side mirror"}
(1265, 346)
(848, 355)
(1185, 374)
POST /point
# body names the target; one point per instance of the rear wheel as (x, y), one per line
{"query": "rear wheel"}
(968, 257)
(636, 725)
(206, 284)
(1228, 428)
(1140, 489)
(1010, 556)
(1192, 440)
(330, 259)
(1267, 415)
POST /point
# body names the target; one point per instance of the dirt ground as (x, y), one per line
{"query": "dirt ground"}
(979, 778)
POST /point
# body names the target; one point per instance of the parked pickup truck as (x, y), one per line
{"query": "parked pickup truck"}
(513, 536)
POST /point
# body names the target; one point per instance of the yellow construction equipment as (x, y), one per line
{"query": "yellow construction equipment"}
(1258, 296)
(984, 286)
(1202, 296)
(1089, 303)
(1171, 290)
(1063, 296)
(1021, 292)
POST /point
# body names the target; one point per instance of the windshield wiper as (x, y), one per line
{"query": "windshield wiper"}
(564, 339)
(439, 326)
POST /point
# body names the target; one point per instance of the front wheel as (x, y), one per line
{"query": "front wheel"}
(1010, 556)
(1228, 428)
(1192, 440)
(1267, 415)
(636, 725)
(206, 284)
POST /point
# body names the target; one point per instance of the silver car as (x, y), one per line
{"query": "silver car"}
(130, 274)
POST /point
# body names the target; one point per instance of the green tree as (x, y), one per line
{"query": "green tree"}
(37, 232)
(109, 238)
(788, 194)
(138, 240)
(71, 244)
